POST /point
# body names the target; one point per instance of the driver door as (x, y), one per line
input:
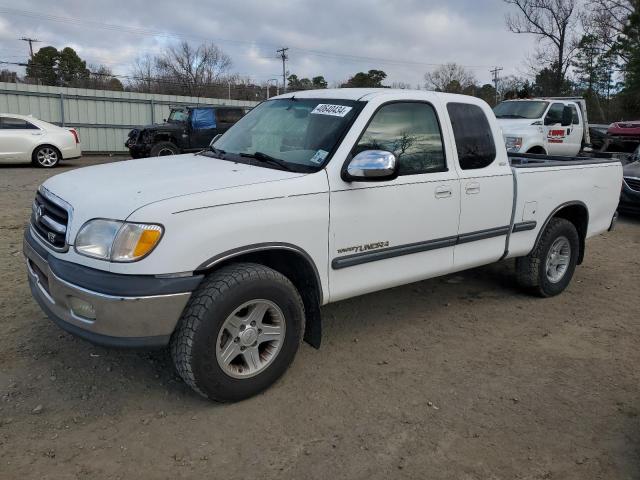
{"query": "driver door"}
(392, 232)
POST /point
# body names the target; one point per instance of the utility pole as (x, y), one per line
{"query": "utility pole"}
(495, 72)
(31, 41)
(284, 57)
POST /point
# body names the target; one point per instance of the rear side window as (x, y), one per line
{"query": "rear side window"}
(202, 118)
(229, 115)
(9, 123)
(576, 117)
(411, 132)
(473, 135)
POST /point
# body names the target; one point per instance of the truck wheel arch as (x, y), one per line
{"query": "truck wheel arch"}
(291, 261)
(537, 150)
(577, 213)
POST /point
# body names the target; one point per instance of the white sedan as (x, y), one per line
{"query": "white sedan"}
(29, 140)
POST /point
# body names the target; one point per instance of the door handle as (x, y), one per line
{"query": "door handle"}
(472, 188)
(443, 191)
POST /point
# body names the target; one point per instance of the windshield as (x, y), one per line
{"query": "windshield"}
(177, 116)
(520, 109)
(300, 133)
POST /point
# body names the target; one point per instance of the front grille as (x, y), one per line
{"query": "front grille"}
(633, 183)
(50, 221)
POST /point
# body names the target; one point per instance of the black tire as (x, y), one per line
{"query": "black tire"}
(38, 160)
(164, 148)
(531, 270)
(135, 154)
(194, 343)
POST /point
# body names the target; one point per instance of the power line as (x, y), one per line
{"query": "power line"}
(284, 57)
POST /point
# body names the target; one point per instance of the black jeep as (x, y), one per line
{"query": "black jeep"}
(188, 129)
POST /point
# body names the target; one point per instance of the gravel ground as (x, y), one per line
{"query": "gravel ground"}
(462, 377)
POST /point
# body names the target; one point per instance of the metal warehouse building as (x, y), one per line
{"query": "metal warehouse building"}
(102, 117)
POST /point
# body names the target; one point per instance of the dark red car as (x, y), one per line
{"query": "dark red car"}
(625, 129)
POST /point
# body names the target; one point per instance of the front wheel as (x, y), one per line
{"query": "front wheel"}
(163, 149)
(548, 269)
(239, 333)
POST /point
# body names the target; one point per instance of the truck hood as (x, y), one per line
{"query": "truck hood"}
(513, 126)
(115, 190)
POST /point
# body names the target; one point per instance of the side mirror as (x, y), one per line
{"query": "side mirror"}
(371, 166)
(567, 116)
(214, 139)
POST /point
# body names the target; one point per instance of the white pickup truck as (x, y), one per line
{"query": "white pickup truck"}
(227, 255)
(547, 126)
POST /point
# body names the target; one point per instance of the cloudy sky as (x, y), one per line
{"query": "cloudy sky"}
(334, 38)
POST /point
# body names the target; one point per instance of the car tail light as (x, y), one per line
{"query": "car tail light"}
(75, 134)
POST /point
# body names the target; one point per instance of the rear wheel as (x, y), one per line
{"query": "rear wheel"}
(239, 332)
(46, 156)
(548, 269)
(163, 149)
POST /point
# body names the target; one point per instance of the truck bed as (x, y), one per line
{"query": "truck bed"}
(530, 160)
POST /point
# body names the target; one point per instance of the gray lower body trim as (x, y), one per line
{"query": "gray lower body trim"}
(360, 258)
(524, 226)
(408, 249)
(483, 234)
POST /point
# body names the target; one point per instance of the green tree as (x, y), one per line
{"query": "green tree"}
(319, 82)
(71, 68)
(295, 83)
(628, 48)
(52, 67)
(546, 83)
(43, 67)
(370, 79)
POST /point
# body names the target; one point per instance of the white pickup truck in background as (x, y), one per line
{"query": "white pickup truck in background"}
(313, 197)
(547, 126)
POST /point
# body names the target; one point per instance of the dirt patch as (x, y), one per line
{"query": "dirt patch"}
(462, 377)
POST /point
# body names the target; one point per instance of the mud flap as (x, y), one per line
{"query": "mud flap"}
(313, 326)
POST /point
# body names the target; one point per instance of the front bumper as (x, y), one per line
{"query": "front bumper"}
(104, 313)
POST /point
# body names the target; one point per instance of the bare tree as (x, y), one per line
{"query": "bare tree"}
(607, 20)
(144, 75)
(451, 78)
(192, 69)
(555, 24)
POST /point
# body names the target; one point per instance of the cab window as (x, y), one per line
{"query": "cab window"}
(473, 136)
(10, 123)
(411, 132)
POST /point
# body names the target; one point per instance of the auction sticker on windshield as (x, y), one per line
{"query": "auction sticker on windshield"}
(333, 110)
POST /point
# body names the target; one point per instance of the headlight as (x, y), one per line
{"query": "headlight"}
(513, 144)
(117, 241)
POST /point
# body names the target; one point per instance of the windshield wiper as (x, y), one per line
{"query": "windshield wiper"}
(509, 116)
(217, 151)
(263, 157)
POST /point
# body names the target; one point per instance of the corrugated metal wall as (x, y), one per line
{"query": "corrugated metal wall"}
(102, 117)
